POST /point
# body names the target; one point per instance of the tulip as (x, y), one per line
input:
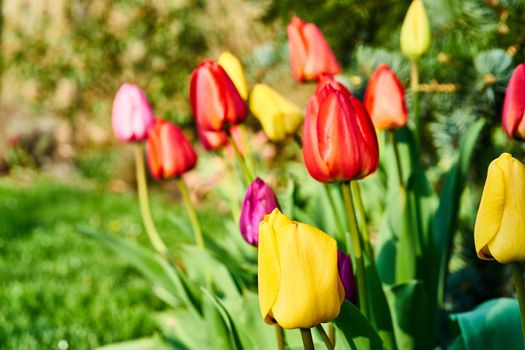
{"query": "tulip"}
(339, 140)
(514, 105)
(278, 115)
(310, 54)
(415, 31)
(499, 232)
(233, 68)
(385, 99)
(215, 102)
(344, 264)
(215, 140)
(169, 153)
(299, 284)
(258, 201)
(132, 115)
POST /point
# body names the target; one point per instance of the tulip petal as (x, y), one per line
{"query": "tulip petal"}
(310, 290)
(514, 105)
(313, 160)
(415, 31)
(320, 59)
(297, 48)
(233, 67)
(269, 271)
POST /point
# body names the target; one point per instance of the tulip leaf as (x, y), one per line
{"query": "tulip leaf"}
(495, 324)
(380, 312)
(219, 325)
(253, 332)
(408, 304)
(154, 343)
(183, 328)
(447, 213)
(162, 274)
(357, 332)
(204, 268)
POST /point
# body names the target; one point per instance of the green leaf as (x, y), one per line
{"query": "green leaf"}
(219, 325)
(161, 273)
(495, 324)
(357, 331)
(446, 216)
(183, 328)
(408, 302)
(155, 343)
(203, 267)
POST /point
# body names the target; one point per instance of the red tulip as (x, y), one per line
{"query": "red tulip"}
(310, 54)
(339, 139)
(215, 101)
(215, 140)
(514, 105)
(169, 153)
(385, 99)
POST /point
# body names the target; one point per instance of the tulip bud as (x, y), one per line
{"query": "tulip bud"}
(132, 115)
(258, 201)
(278, 116)
(514, 105)
(215, 140)
(169, 153)
(233, 68)
(215, 102)
(385, 99)
(415, 31)
(339, 139)
(299, 284)
(310, 54)
(344, 264)
(499, 232)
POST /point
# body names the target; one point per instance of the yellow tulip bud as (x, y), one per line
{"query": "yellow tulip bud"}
(299, 284)
(499, 233)
(415, 31)
(233, 68)
(279, 116)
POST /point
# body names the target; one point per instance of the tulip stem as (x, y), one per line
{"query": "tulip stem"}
(248, 176)
(306, 336)
(414, 87)
(398, 164)
(279, 332)
(517, 273)
(183, 188)
(335, 212)
(369, 251)
(142, 188)
(325, 337)
(354, 233)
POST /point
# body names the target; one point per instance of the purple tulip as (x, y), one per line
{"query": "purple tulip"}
(344, 264)
(132, 115)
(259, 201)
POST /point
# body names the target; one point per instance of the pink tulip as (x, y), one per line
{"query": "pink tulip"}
(132, 115)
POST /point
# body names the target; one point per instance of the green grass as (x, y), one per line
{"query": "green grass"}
(58, 285)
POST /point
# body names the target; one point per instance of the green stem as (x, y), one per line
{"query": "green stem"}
(142, 187)
(279, 332)
(183, 188)
(398, 164)
(324, 336)
(306, 336)
(248, 176)
(414, 88)
(358, 255)
(369, 251)
(517, 273)
(335, 212)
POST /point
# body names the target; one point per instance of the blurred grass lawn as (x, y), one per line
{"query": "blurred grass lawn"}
(58, 286)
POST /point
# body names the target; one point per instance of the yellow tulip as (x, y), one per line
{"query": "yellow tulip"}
(279, 116)
(299, 284)
(233, 68)
(415, 31)
(499, 233)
